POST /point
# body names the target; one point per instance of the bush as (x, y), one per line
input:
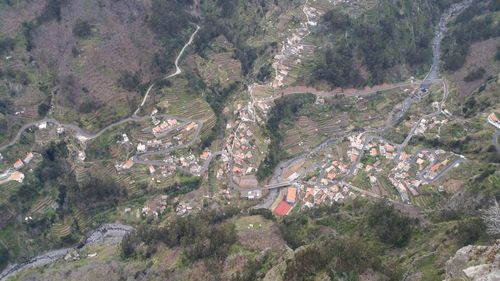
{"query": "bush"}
(88, 106)
(339, 258)
(296, 231)
(470, 231)
(82, 29)
(4, 257)
(6, 45)
(201, 236)
(129, 81)
(475, 74)
(183, 184)
(52, 11)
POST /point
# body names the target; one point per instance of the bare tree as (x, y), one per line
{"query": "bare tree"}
(491, 217)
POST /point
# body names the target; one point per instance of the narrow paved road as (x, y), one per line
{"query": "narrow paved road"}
(87, 135)
(178, 70)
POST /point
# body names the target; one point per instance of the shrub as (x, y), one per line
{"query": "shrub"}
(129, 81)
(469, 231)
(475, 74)
(4, 257)
(82, 29)
(6, 45)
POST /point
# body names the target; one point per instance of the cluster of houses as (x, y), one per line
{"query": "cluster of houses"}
(241, 142)
(17, 175)
(293, 48)
(155, 207)
(312, 195)
(162, 127)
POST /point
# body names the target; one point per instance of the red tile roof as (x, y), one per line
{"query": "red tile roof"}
(283, 209)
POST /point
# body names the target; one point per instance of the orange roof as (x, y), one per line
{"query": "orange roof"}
(17, 176)
(128, 164)
(436, 167)
(373, 151)
(282, 209)
(404, 156)
(331, 175)
(493, 117)
(18, 164)
(354, 157)
(190, 126)
(291, 195)
(389, 148)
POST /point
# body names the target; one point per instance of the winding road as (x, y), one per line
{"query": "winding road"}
(87, 135)
(114, 232)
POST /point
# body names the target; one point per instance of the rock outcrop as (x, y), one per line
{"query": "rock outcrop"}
(478, 263)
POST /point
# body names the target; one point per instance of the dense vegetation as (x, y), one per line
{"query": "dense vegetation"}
(6, 45)
(391, 34)
(237, 20)
(389, 225)
(129, 81)
(216, 98)
(206, 235)
(82, 29)
(169, 20)
(54, 176)
(475, 74)
(476, 23)
(183, 184)
(285, 110)
(341, 259)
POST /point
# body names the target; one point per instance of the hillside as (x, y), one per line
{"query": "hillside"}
(249, 140)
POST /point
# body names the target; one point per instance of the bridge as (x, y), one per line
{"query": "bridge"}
(278, 185)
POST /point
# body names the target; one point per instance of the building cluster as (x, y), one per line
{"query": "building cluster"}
(241, 143)
(293, 48)
(314, 196)
(155, 207)
(311, 196)
(16, 175)
(162, 127)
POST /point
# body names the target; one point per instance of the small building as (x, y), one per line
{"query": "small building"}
(17, 176)
(190, 126)
(18, 164)
(404, 156)
(141, 147)
(293, 176)
(152, 169)
(389, 147)
(248, 181)
(251, 194)
(28, 158)
(128, 164)
(42, 125)
(493, 120)
(291, 195)
(436, 167)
